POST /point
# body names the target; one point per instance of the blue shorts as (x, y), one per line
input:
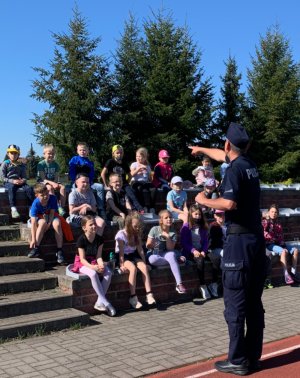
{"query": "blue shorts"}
(277, 249)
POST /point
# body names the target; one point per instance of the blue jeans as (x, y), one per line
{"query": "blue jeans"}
(100, 195)
(12, 192)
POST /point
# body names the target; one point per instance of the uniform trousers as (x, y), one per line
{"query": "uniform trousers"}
(243, 275)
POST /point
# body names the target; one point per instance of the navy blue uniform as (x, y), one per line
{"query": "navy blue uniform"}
(244, 262)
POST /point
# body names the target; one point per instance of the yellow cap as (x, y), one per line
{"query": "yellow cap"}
(13, 148)
(116, 147)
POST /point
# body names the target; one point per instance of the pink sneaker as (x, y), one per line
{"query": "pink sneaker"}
(288, 279)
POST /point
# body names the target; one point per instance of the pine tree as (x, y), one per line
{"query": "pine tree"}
(231, 105)
(274, 85)
(77, 89)
(177, 98)
(32, 161)
(128, 116)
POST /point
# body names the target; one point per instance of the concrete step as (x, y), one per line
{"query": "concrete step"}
(12, 305)
(38, 324)
(11, 232)
(13, 248)
(18, 283)
(4, 219)
(20, 264)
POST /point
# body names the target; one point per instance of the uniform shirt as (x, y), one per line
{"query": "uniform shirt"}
(121, 169)
(50, 170)
(160, 242)
(38, 209)
(77, 199)
(241, 185)
(91, 249)
(178, 199)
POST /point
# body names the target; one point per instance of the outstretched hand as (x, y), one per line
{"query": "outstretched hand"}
(195, 150)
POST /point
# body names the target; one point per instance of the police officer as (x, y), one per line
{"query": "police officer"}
(244, 261)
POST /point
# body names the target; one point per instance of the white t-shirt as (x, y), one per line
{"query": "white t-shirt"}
(121, 235)
(143, 175)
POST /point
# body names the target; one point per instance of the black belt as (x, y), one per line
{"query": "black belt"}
(238, 229)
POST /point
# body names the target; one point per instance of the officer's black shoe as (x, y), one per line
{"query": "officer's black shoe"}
(254, 365)
(227, 367)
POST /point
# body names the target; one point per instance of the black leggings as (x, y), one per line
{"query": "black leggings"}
(145, 193)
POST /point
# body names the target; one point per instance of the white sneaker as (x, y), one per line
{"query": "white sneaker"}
(204, 292)
(15, 214)
(100, 307)
(135, 302)
(213, 288)
(150, 299)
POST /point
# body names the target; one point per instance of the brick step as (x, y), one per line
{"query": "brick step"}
(162, 282)
(10, 232)
(33, 302)
(37, 324)
(4, 219)
(13, 248)
(20, 264)
(17, 283)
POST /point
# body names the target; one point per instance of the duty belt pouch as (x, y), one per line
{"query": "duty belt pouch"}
(233, 274)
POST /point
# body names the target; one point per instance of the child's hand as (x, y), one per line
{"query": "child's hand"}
(100, 268)
(203, 253)
(122, 215)
(196, 253)
(165, 235)
(55, 185)
(122, 268)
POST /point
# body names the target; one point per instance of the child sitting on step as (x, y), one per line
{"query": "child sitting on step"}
(194, 242)
(117, 165)
(161, 243)
(129, 252)
(13, 174)
(43, 215)
(117, 202)
(47, 173)
(82, 202)
(274, 242)
(88, 260)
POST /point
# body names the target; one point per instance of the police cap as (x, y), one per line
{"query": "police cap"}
(237, 135)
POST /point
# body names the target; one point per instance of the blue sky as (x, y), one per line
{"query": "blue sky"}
(218, 27)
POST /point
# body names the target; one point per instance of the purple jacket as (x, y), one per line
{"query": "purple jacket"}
(186, 240)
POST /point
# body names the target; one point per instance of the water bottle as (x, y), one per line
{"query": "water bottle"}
(112, 260)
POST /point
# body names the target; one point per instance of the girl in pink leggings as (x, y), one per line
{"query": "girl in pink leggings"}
(88, 260)
(161, 243)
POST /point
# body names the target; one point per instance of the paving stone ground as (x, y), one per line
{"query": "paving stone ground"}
(135, 344)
